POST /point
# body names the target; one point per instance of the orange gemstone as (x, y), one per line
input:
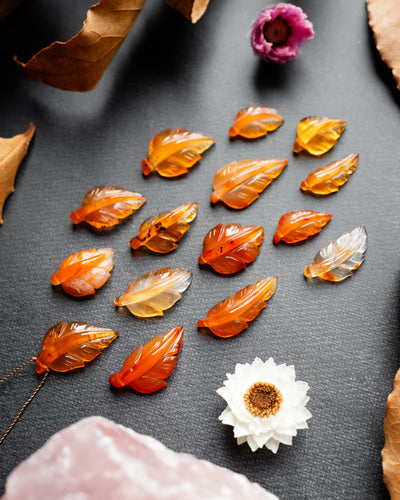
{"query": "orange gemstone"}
(255, 121)
(298, 225)
(317, 135)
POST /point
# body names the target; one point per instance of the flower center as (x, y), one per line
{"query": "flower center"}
(263, 399)
(277, 31)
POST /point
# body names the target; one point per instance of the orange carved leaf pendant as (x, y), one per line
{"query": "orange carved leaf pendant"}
(160, 233)
(172, 153)
(83, 272)
(147, 366)
(255, 121)
(233, 314)
(238, 183)
(328, 179)
(103, 206)
(69, 346)
(317, 135)
(229, 248)
(298, 225)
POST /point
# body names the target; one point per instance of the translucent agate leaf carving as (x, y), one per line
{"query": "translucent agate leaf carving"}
(317, 135)
(79, 63)
(298, 225)
(227, 249)
(153, 293)
(239, 183)
(328, 179)
(255, 121)
(69, 346)
(12, 152)
(233, 314)
(391, 450)
(147, 366)
(103, 206)
(160, 233)
(337, 261)
(83, 272)
(172, 153)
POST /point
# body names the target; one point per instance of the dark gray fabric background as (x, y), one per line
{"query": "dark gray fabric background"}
(342, 339)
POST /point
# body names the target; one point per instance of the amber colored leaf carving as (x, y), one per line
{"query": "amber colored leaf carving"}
(69, 346)
(336, 261)
(191, 9)
(328, 179)
(227, 249)
(83, 272)
(147, 366)
(391, 450)
(317, 135)
(103, 206)
(79, 63)
(160, 233)
(172, 153)
(255, 121)
(12, 152)
(233, 314)
(238, 183)
(298, 225)
(384, 19)
(153, 293)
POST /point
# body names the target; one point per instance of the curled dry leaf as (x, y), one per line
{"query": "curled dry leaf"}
(79, 63)
(12, 152)
(384, 19)
(191, 9)
(391, 450)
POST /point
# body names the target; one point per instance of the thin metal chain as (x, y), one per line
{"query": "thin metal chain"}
(16, 369)
(26, 402)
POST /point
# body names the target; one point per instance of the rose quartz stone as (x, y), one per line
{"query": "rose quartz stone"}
(96, 459)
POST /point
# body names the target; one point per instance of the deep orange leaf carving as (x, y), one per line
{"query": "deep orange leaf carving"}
(391, 450)
(83, 272)
(318, 135)
(233, 314)
(147, 366)
(12, 152)
(160, 233)
(103, 206)
(191, 9)
(298, 225)
(255, 121)
(69, 346)
(172, 153)
(328, 179)
(229, 248)
(80, 63)
(238, 183)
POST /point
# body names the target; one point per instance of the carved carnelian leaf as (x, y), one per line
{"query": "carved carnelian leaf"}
(229, 248)
(233, 314)
(255, 121)
(239, 183)
(103, 206)
(336, 261)
(172, 153)
(191, 9)
(146, 367)
(328, 179)
(83, 272)
(153, 293)
(391, 450)
(160, 233)
(12, 152)
(69, 346)
(317, 135)
(80, 63)
(298, 225)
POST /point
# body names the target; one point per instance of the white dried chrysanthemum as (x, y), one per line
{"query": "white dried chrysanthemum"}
(266, 405)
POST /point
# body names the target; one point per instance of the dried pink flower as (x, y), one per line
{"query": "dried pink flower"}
(279, 31)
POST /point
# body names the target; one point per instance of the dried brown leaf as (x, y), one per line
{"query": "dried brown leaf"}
(79, 63)
(391, 450)
(191, 9)
(12, 152)
(7, 6)
(384, 19)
